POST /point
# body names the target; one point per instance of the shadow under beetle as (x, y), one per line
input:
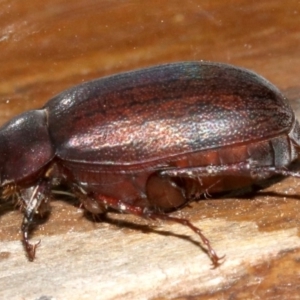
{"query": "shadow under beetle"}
(148, 142)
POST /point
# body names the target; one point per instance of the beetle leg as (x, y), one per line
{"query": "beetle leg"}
(238, 169)
(277, 170)
(149, 214)
(34, 198)
(242, 168)
(89, 203)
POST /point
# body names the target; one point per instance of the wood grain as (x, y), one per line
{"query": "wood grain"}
(48, 46)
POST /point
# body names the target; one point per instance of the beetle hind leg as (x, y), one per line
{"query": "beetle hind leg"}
(149, 214)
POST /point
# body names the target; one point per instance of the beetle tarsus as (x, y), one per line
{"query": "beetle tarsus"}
(30, 249)
(210, 251)
(148, 214)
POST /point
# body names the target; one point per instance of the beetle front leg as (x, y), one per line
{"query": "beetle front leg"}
(33, 198)
(149, 214)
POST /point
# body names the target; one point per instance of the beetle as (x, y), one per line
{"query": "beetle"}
(149, 141)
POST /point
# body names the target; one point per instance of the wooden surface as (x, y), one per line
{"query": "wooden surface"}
(47, 46)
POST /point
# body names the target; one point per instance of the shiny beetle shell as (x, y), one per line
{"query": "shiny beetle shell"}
(149, 141)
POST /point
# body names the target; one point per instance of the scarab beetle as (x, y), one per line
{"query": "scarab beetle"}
(148, 142)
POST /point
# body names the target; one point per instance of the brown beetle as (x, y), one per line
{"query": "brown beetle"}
(148, 142)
